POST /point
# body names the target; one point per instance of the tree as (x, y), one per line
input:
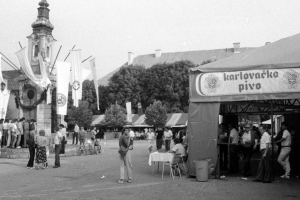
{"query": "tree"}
(156, 114)
(169, 83)
(115, 116)
(80, 115)
(125, 86)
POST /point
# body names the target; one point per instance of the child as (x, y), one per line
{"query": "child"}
(31, 146)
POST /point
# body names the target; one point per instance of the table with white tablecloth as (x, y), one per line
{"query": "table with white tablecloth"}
(157, 157)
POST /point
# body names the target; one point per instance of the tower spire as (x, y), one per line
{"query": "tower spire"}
(42, 23)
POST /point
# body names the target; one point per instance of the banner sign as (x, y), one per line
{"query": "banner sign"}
(94, 72)
(63, 74)
(1, 77)
(128, 109)
(246, 82)
(76, 76)
(4, 98)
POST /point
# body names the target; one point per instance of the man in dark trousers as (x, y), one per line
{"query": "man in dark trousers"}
(57, 145)
(159, 140)
(249, 139)
(31, 145)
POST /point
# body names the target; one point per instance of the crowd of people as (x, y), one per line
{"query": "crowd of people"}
(14, 133)
(247, 139)
(22, 133)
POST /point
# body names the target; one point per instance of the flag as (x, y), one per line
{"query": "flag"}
(42, 82)
(94, 73)
(63, 73)
(128, 108)
(76, 76)
(1, 77)
(140, 109)
(4, 98)
(49, 96)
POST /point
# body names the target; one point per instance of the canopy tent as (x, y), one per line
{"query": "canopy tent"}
(267, 73)
(267, 122)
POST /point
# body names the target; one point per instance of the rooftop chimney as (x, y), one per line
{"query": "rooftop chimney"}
(130, 58)
(236, 47)
(157, 53)
(268, 43)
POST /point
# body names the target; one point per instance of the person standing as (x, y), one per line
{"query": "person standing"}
(159, 138)
(26, 132)
(284, 155)
(223, 147)
(5, 133)
(57, 145)
(31, 146)
(168, 137)
(9, 137)
(264, 169)
(63, 132)
(82, 135)
(75, 134)
(126, 163)
(248, 140)
(14, 130)
(41, 142)
(150, 138)
(19, 132)
(234, 140)
(32, 128)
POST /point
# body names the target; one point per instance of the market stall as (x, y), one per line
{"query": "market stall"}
(266, 79)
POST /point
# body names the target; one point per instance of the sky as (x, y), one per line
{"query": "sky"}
(109, 29)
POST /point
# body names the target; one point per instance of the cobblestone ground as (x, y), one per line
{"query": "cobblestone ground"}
(94, 177)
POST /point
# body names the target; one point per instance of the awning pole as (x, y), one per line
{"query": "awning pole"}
(272, 133)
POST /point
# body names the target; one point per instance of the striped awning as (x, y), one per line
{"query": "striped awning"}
(173, 120)
(97, 119)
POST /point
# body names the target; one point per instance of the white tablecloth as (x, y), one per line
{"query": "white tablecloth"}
(160, 157)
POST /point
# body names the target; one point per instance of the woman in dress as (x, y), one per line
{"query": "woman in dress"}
(41, 142)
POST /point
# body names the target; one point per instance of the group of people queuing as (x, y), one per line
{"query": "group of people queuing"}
(40, 144)
(14, 133)
(246, 140)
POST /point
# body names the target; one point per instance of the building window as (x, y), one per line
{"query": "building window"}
(36, 51)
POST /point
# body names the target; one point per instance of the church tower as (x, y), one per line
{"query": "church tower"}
(41, 40)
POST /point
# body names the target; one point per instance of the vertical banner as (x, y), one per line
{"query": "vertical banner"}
(140, 109)
(1, 77)
(94, 73)
(128, 108)
(63, 73)
(4, 98)
(76, 76)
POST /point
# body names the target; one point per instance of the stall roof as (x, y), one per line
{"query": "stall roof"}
(283, 53)
(173, 120)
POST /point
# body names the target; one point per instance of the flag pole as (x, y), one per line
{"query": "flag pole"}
(55, 59)
(69, 53)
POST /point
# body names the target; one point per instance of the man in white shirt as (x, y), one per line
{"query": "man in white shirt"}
(63, 132)
(131, 133)
(234, 139)
(75, 134)
(168, 137)
(57, 145)
(284, 155)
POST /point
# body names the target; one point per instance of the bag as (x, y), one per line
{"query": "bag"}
(123, 151)
(97, 143)
(131, 144)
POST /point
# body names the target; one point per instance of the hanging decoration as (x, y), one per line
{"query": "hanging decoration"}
(32, 106)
